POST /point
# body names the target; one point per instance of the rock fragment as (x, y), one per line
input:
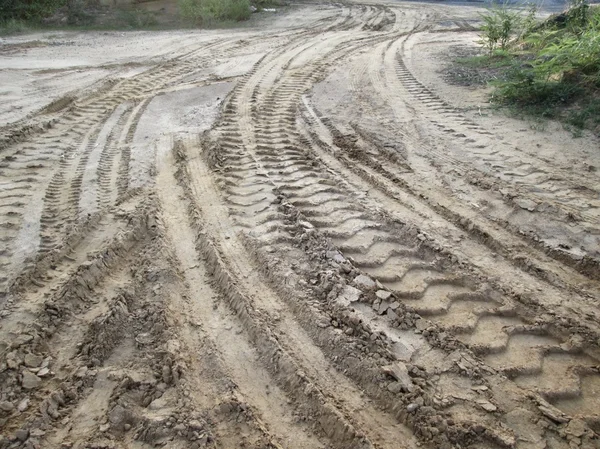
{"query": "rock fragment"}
(486, 405)
(30, 380)
(33, 360)
(399, 371)
(576, 427)
(348, 295)
(383, 294)
(363, 281)
(6, 406)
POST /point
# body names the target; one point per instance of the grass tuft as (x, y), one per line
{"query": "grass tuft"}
(210, 12)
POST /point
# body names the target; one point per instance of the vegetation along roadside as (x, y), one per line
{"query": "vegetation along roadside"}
(17, 16)
(543, 69)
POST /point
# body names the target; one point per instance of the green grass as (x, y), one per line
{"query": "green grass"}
(14, 26)
(209, 12)
(495, 60)
(29, 10)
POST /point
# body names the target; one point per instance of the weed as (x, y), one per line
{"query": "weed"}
(136, 18)
(586, 115)
(496, 59)
(208, 12)
(14, 26)
(30, 11)
(500, 24)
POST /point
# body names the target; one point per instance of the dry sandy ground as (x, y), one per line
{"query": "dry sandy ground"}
(289, 235)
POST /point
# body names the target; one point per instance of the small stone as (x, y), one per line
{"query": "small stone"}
(486, 405)
(23, 405)
(364, 282)
(392, 315)
(395, 387)
(43, 372)
(412, 407)
(553, 413)
(526, 204)
(117, 415)
(33, 360)
(399, 372)
(81, 372)
(37, 433)
(127, 427)
(22, 434)
(305, 224)
(383, 294)
(348, 295)
(421, 324)
(6, 406)
(12, 360)
(335, 256)
(30, 380)
(195, 425)
(576, 427)
(395, 305)
(383, 307)
(349, 331)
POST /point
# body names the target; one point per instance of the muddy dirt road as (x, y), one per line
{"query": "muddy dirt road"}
(295, 235)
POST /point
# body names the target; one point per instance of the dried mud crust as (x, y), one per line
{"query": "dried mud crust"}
(291, 277)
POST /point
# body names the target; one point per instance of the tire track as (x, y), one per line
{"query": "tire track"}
(525, 253)
(564, 193)
(487, 323)
(275, 162)
(356, 418)
(73, 139)
(225, 332)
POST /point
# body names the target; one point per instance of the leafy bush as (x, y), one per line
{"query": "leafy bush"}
(13, 26)
(77, 14)
(207, 12)
(28, 10)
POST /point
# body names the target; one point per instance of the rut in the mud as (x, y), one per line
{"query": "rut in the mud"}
(283, 237)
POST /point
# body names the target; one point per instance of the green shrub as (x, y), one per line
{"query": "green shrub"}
(577, 15)
(28, 10)
(500, 24)
(13, 26)
(77, 14)
(206, 12)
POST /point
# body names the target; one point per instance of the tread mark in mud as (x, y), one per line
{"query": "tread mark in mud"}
(565, 192)
(478, 317)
